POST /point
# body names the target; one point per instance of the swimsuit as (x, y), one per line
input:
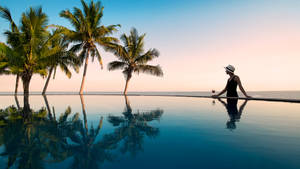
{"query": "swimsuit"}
(231, 88)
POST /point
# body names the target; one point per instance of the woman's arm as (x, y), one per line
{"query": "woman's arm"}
(241, 86)
(217, 95)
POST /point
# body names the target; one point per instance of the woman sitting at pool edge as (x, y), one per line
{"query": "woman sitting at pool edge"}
(232, 83)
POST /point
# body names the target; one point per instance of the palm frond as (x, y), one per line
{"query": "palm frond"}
(85, 7)
(149, 69)
(82, 55)
(139, 46)
(79, 16)
(66, 70)
(105, 41)
(118, 50)
(127, 72)
(125, 39)
(148, 56)
(41, 72)
(99, 58)
(116, 65)
(5, 13)
(70, 17)
(99, 14)
(77, 47)
(105, 30)
(14, 39)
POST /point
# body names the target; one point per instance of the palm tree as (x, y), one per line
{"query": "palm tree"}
(29, 43)
(88, 33)
(58, 55)
(131, 57)
(5, 13)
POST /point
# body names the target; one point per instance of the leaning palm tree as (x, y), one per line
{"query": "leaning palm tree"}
(88, 33)
(132, 58)
(57, 55)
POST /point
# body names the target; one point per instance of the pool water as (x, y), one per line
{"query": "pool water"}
(148, 132)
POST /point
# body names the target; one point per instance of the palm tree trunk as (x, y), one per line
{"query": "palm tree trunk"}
(17, 83)
(47, 81)
(26, 81)
(126, 85)
(84, 72)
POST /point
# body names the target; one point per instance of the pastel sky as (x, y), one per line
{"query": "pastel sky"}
(196, 39)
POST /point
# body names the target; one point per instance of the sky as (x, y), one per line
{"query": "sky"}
(196, 40)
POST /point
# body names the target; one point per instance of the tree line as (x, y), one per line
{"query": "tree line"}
(35, 47)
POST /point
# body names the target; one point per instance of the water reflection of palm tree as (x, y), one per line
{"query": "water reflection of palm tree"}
(17, 101)
(48, 107)
(233, 112)
(88, 152)
(31, 140)
(37, 138)
(132, 127)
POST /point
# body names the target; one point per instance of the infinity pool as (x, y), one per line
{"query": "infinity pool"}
(146, 132)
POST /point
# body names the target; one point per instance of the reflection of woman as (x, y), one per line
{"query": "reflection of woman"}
(232, 84)
(233, 111)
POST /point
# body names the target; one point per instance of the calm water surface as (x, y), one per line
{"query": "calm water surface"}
(148, 132)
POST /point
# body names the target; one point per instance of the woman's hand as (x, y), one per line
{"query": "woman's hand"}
(214, 96)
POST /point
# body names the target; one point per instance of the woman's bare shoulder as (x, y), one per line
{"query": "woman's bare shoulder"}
(236, 78)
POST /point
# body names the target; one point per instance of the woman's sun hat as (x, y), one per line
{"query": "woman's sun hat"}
(230, 68)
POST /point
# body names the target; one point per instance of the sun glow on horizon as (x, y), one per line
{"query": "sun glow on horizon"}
(196, 39)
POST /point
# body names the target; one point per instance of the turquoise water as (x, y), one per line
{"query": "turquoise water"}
(149, 132)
